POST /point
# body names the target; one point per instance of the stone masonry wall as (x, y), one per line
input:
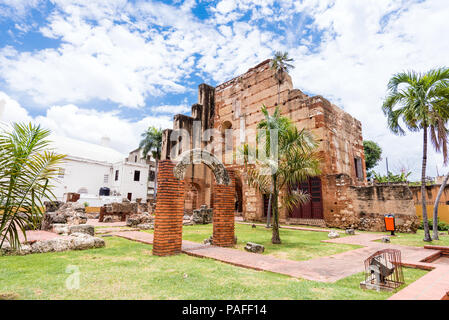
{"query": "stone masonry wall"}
(363, 207)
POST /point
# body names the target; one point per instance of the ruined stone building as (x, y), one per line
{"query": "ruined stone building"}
(339, 197)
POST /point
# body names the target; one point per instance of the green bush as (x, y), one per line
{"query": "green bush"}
(442, 226)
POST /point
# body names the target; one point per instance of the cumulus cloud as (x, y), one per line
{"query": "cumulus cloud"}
(125, 52)
(85, 124)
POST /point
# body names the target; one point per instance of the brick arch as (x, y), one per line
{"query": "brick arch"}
(197, 156)
(171, 197)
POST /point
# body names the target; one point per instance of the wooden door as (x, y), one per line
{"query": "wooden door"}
(314, 208)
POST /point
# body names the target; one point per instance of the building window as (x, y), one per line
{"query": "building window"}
(130, 196)
(358, 168)
(152, 175)
(116, 175)
(61, 173)
(135, 158)
(137, 175)
(106, 178)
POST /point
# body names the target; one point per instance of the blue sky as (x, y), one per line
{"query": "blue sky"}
(88, 69)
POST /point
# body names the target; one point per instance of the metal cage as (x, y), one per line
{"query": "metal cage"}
(383, 271)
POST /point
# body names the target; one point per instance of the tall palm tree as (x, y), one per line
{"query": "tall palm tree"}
(281, 65)
(439, 134)
(415, 99)
(27, 170)
(297, 160)
(152, 142)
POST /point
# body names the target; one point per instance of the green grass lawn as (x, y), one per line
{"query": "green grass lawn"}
(126, 270)
(296, 244)
(416, 239)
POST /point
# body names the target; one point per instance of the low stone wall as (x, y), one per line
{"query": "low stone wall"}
(363, 207)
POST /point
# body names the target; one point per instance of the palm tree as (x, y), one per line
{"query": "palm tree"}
(296, 162)
(280, 64)
(27, 169)
(152, 142)
(439, 134)
(435, 207)
(418, 98)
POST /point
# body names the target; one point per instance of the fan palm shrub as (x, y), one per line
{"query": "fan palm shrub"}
(28, 167)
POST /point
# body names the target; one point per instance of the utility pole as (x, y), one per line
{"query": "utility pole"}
(388, 176)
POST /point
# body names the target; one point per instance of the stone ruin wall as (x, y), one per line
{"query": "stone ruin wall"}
(239, 101)
(363, 207)
(237, 105)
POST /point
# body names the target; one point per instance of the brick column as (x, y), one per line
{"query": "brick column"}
(223, 218)
(169, 211)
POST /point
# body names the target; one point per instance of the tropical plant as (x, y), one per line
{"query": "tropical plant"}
(435, 207)
(281, 65)
(419, 101)
(373, 153)
(390, 177)
(282, 163)
(152, 142)
(27, 169)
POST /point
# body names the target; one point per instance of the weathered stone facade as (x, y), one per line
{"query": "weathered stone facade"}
(236, 105)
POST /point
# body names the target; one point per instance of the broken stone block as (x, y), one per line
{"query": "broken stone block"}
(350, 231)
(333, 234)
(386, 239)
(254, 247)
(60, 228)
(208, 240)
(145, 226)
(82, 228)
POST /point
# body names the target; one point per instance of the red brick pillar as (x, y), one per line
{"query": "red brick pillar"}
(223, 218)
(169, 211)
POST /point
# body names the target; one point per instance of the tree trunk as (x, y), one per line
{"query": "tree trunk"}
(427, 237)
(275, 238)
(435, 207)
(155, 179)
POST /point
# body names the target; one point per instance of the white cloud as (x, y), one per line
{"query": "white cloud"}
(85, 124)
(360, 51)
(124, 52)
(170, 109)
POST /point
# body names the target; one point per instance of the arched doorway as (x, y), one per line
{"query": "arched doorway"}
(171, 197)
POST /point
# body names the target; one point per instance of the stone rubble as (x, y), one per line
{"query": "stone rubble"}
(333, 234)
(75, 241)
(69, 213)
(254, 247)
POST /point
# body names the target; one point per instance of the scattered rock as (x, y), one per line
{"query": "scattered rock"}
(69, 213)
(82, 228)
(137, 219)
(350, 231)
(208, 240)
(254, 247)
(386, 239)
(75, 241)
(145, 226)
(60, 228)
(108, 219)
(52, 206)
(333, 235)
(202, 215)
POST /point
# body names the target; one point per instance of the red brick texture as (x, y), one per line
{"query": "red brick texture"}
(169, 211)
(223, 219)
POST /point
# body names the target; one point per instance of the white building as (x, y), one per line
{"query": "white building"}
(89, 167)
